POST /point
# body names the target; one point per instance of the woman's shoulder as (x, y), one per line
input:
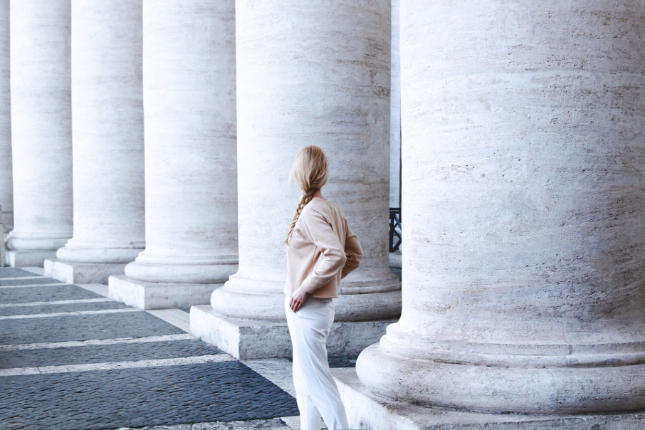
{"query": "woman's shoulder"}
(322, 207)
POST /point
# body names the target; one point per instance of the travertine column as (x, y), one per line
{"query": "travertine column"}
(395, 110)
(524, 192)
(6, 180)
(41, 130)
(107, 106)
(191, 184)
(311, 73)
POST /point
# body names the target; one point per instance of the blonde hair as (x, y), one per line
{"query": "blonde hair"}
(309, 172)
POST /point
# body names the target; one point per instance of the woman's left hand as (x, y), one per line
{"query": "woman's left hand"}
(298, 299)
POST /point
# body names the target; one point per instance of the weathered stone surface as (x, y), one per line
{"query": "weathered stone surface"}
(524, 205)
(6, 177)
(330, 89)
(108, 134)
(81, 273)
(159, 295)
(247, 339)
(40, 130)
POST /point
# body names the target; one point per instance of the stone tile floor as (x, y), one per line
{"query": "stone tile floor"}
(70, 358)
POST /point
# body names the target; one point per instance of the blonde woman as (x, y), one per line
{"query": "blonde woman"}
(321, 251)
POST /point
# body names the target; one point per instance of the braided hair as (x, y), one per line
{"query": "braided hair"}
(310, 172)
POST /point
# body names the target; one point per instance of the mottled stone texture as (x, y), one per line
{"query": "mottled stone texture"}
(523, 187)
(190, 142)
(108, 133)
(6, 179)
(40, 125)
(308, 73)
(395, 109)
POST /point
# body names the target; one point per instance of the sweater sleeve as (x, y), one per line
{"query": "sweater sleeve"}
(333, 255)
(353, 253)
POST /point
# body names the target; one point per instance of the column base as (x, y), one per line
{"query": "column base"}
(81, 273)
(247, 339)
(29, 258)
(369, 411)
(159, 295)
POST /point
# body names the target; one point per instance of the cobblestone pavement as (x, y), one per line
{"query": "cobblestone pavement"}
(70, 358)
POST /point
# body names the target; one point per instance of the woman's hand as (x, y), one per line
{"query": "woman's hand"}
(298, 299)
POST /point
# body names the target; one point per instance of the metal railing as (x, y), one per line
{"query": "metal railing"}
(395, 229)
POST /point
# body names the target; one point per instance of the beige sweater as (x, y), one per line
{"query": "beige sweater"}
(322, 250)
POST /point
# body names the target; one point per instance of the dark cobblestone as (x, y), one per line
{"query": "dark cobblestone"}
(141, 397)
(105, 353)
(12, 272)
(83, 327)
(45, 294)
(72, 307)
(342, 361)
(36, 281)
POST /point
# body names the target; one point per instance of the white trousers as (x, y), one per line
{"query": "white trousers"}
(316, 391)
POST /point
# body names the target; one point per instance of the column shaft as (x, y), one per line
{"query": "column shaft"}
(108, 135)
(6, 179)
(523, 187)
(190, 143)
(41, 129)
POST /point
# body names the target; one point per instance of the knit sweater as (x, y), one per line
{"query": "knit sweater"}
(322, 250)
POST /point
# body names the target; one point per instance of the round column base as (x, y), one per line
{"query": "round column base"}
(239, 301)
(603, 385)
(17, 241)
(81, 252)
(207, 273)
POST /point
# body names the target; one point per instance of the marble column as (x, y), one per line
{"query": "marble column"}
(107, 104)
(190, 145)
(330, 88)
(40, 130)
(524, 191)
(6, 178)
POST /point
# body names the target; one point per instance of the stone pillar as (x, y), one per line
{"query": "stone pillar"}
(191, 184)
(108, 142)
(523, 186)
(395, 110)
(330, 88)
(6, 179)
(40, 129)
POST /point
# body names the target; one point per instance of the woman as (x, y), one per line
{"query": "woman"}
(321, 251)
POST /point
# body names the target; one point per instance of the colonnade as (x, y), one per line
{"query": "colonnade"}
(522, 182)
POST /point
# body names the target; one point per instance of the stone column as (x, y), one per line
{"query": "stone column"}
(524, 192)
(108, 142)
(191, 183)
(40, 129)
(6, 179)
(330, 88)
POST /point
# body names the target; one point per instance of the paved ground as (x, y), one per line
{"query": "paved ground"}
(70, 358)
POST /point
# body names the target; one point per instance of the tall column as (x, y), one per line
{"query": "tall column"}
(330, 88)
(190, 143)
(40, 129)
(107, 107)
(524, 192)
(6, 179)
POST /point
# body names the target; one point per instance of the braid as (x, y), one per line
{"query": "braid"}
(306, 198)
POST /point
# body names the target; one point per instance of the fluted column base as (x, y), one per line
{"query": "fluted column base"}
(247, 339)
(366, 410)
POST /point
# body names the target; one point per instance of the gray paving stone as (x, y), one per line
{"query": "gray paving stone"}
(12, 272)
(35, 281)
(45, 294)
(105, 353)
(209, 392)
(83, 327)
(49, 309)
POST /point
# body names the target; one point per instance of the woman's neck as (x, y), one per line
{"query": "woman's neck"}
(318, 194)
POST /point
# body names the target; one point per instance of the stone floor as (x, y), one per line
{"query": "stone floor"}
(70, 358)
